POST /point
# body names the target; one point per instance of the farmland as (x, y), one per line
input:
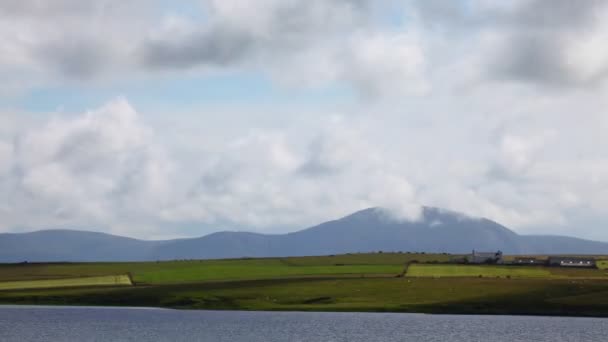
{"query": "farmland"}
(499, 271)
(355, 282)
(602, 264)
(111, 280)
(206, 270)
(422, 270)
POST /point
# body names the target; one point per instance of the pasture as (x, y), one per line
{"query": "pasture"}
(430, 295)
(111, 280)
(164, 272)
(602, 264)
(421, 270)
(502, 271)
(351, 282)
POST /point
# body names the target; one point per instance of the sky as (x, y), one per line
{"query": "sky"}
(160, 119)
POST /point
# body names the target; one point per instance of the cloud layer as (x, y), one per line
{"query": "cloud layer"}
(103, 169)
(555, 43)
(492, 108)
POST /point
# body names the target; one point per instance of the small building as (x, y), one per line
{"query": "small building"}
(572, 261)
(485, 257)
(528, 261)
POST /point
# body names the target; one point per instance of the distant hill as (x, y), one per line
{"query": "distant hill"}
(368, 230)
(72, 245)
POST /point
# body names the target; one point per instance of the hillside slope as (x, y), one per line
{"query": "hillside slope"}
(367, 230)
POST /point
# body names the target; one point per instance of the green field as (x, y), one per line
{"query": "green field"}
(207, 270)
(112, 280)
(354, 282)
(439, 271)
(602, 264)
(458, 295)
(421, 270)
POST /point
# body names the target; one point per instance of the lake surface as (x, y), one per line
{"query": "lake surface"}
(29, 323)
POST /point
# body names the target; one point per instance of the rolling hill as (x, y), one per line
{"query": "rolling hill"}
(368, 230)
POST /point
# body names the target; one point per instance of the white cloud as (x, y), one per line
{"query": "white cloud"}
(52, 43)
(105, 169)
(6, 157)
(93, 170)
(517, 154)
(387, 64)
(494, 109)
(268, 180)
(530, 41)
(320, 42)
(99, 42)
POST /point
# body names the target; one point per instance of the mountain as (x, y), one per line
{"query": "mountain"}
(72, 245)
(372, 229)
(553, 244)
(220, 245)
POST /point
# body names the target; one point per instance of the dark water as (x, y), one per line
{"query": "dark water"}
(134, 324)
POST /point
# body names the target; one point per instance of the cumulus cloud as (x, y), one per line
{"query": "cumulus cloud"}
(69, 40)
(6, 157)
(237, 30)
(217, 47)
(517, 154)
(547, 43)
(45, 8)
(75, 57)
(332, 41)
(493, 108)
(555, 43)
(387, 64)
(104, 169)
(268, 180)
(52, 42)
(85, 171)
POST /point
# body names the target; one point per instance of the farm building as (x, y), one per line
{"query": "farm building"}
(528, 261)
(485, 257)
(571, 261)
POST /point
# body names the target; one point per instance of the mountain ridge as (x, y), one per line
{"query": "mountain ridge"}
(372, 229)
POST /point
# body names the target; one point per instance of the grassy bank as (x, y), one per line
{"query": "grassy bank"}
(359, 282)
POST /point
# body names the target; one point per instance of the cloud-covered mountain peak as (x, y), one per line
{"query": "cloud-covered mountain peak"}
(432, 216)
(438, 216)
(366, 230)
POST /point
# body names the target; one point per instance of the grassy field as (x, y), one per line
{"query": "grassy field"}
(602, 264)
(422, 270)
(438, 271)
(459, 295)
(112, 280)
(356, 282)
(232, 269)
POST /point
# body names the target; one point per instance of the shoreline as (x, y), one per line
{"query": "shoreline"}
(540, 313)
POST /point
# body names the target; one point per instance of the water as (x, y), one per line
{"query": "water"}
(135, 324)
